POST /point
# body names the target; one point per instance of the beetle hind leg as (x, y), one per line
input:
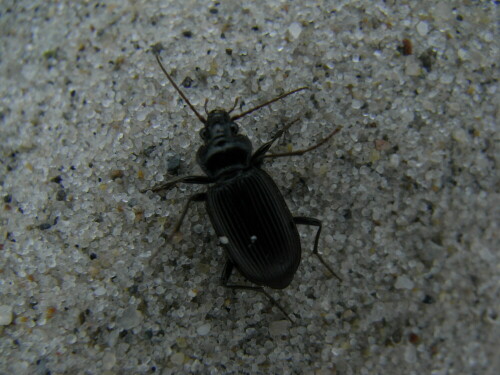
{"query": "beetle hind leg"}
(226, 274)
(311, 221)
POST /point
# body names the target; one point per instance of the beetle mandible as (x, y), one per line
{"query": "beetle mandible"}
(243, 202)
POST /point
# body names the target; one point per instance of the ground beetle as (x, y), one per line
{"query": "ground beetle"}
(245, 206)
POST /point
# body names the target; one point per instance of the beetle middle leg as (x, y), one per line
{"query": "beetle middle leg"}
(311, 221)
(200, 197)
(226, 274)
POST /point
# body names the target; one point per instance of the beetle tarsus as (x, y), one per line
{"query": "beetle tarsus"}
(303, 151)
(238, 116)
(260, 154)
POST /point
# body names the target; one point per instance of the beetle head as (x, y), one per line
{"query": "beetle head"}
(218, 125)
(224, 150)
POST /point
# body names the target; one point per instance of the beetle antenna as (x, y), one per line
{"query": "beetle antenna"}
(268, 102)
(200, 117)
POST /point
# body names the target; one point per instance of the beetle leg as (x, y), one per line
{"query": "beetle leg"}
(226, 274)
(185, 179)
(200, 197)
(260, 154)
(236, 117)
(234, 106)
(311, 221)
(303, 151)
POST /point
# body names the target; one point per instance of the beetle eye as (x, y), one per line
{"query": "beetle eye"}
(203, 133)
(234, 128)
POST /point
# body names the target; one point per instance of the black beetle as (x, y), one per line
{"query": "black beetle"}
(245, 206)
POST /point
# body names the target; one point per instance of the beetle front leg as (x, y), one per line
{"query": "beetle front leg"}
(184, 179)
(260, 154)
(226, 274)
(311, 221)
(303, 151)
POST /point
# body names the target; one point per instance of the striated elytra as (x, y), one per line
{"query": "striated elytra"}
(245, 206)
